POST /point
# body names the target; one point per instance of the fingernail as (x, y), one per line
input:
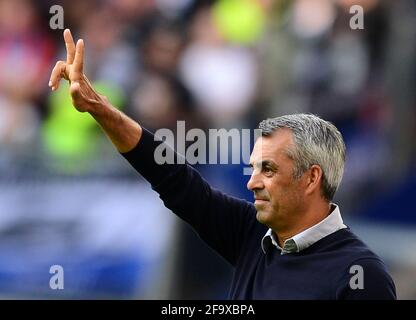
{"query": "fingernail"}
(50, 83)
(53, 88)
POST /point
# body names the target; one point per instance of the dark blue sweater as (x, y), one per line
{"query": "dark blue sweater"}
(229, 226)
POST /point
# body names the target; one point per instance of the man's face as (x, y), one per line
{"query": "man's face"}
(278, 196)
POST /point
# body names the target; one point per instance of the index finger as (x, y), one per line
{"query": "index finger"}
(70, 46)
(78, 64)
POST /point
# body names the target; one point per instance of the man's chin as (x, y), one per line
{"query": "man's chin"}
(262, 216)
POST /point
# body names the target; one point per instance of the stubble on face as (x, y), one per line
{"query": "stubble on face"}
(278, 195)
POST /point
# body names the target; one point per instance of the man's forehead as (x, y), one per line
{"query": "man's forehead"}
(274, 144)
(272, 148)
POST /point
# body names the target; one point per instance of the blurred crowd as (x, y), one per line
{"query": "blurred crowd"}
(215, 64)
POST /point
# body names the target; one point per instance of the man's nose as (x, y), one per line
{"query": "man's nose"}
(255, 182)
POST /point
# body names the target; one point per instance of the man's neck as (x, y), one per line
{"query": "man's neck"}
(308, 220)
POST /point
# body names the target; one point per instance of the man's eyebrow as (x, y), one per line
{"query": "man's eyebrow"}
(270, 163)
(265, 163)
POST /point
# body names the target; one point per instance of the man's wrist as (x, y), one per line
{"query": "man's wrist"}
(100, 107)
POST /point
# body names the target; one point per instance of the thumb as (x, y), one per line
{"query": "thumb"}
(75, 90)
(77, 98)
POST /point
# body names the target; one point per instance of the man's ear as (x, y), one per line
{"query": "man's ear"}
(314, 179)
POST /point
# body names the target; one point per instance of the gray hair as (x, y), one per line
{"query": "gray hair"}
(316, 141)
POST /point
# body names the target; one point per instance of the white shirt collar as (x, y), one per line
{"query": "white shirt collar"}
(332, 223)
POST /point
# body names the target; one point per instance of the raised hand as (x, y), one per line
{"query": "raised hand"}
(84, 97)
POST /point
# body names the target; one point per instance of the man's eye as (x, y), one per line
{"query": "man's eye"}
(267, 170)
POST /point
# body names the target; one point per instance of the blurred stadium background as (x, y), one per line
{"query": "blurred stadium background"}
(67, 198)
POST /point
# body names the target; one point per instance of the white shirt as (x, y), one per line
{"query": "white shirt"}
(332, 223)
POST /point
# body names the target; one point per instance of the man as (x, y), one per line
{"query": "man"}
(301, 248)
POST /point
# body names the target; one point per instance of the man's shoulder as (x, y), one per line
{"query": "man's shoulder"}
(350, 258)
(345, 243)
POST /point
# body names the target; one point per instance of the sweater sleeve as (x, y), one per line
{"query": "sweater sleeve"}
(220, 220)
(367, 279)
